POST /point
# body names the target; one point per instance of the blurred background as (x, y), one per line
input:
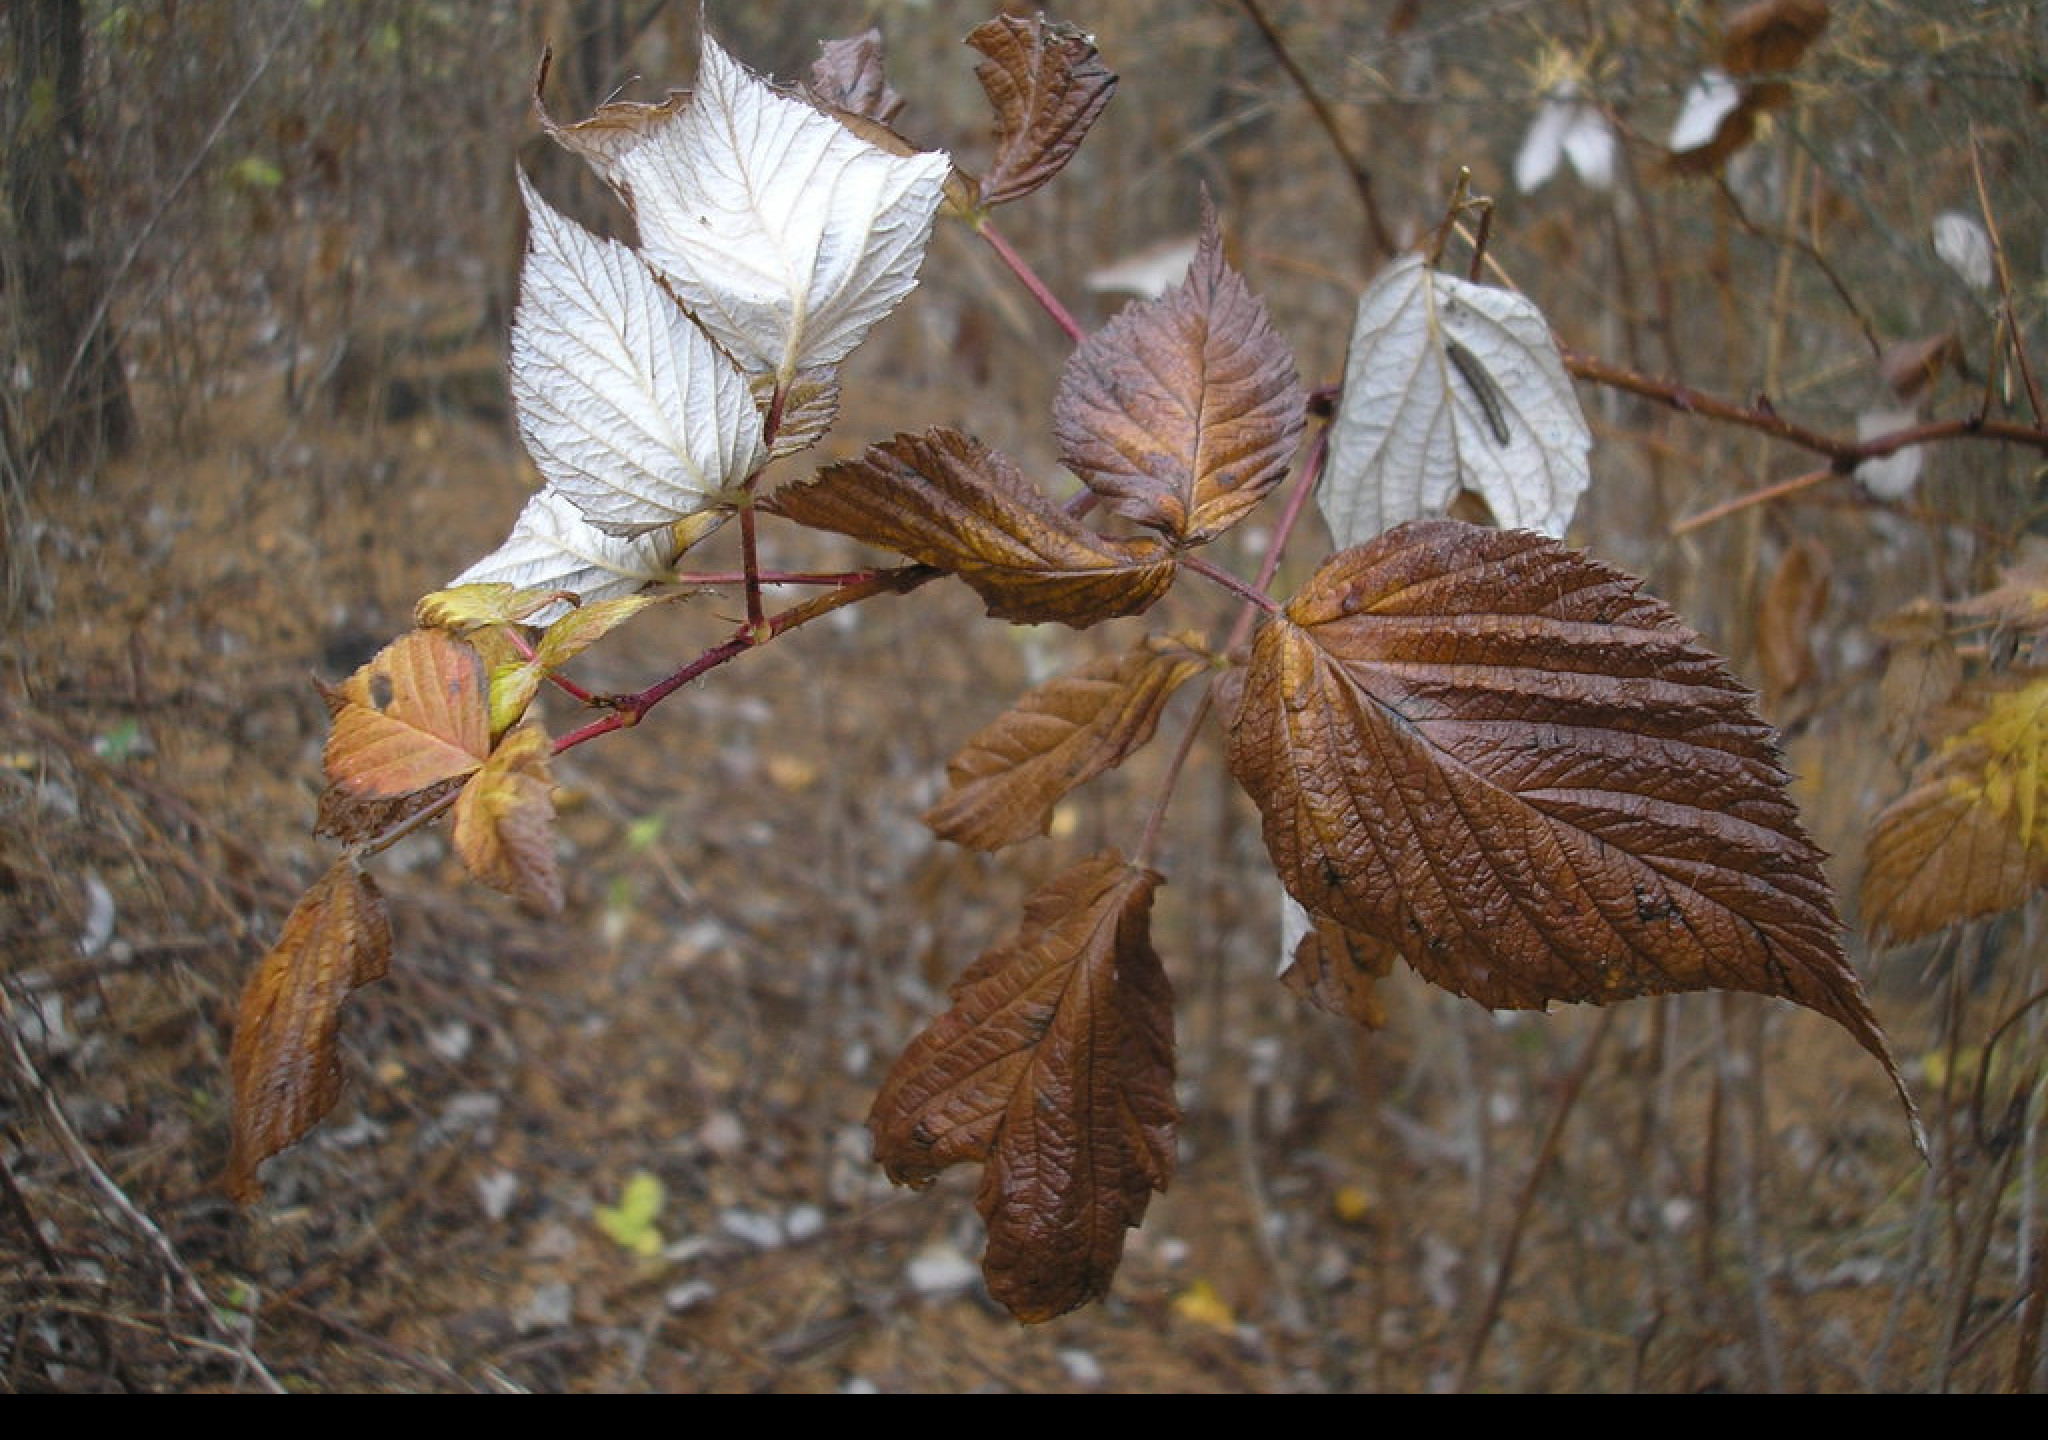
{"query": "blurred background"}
(623, 1148)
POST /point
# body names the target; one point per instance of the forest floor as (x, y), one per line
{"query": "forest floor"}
(756, 921)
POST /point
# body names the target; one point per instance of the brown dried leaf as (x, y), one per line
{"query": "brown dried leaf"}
(848, 75)
(1047, 86)
(1770, 36)
(2019, 601)
(285, 1064)
(1184, 411)
(948, 501)
(1494, 755)
(1004, 783)
(1970, 838)
(1789, 616)
(416, 715)
(1339, 970)
(1055, 1068)
(1911, 367)
(352, 819)
(504, 822)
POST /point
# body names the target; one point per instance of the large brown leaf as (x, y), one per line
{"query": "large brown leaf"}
(948, 501)
(1055, 1068)
(285, 1063)
(1047, 86)
(1535, 783)
(1185, 411)
(1004, 783)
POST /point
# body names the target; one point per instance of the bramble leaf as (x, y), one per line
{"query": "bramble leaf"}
(848, 75)
(554, 547)
(1496, 756)
(285, 1063)
(1048, 86)
(504, 821)
(413, 717)
(629, 410)
(785, 235)
(1185, 411)
(946, 500)
(1055, 1068)
(1451, 386)
(1004, 783)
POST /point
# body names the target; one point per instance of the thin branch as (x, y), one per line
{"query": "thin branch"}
(1361, 178)
(1028, 277)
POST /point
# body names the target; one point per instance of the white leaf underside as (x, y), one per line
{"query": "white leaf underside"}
(786, 236)
(1420, 421)
(552, 547)
(628, 409)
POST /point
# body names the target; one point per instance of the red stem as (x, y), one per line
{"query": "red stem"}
(1047, 301)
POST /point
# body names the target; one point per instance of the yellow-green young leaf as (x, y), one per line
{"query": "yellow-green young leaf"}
(1970, 837)
(463, 608)
(504, 821)
(1003, 785)
(413, 717)
(632, 1222)
(1055, 1068)
(948, 501)
(584, 626)
(285, 1063)
(1495, 756)
(514, 683)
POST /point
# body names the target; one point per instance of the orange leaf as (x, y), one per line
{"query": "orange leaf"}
(948, 501)
(1048, 87)
(1004, 783)
(415, 716)
(1497, 757)
(1055, 1067)
(285, 1063)
(1185, 411)
(504, 821)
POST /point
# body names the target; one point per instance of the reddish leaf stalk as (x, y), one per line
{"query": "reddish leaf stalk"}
(628, 710)
(1021, 268)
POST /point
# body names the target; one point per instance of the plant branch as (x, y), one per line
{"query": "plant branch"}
(1845, 454)
(1021, 268)
(2007, 319)
(1361, 178)
(629, 710)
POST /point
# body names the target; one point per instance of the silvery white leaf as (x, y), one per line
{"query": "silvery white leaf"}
(1450, 385)
(1961, 242)
(628, 409)
(1888, 477)
(553, 547)
(1707, 103)
(784, 234)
